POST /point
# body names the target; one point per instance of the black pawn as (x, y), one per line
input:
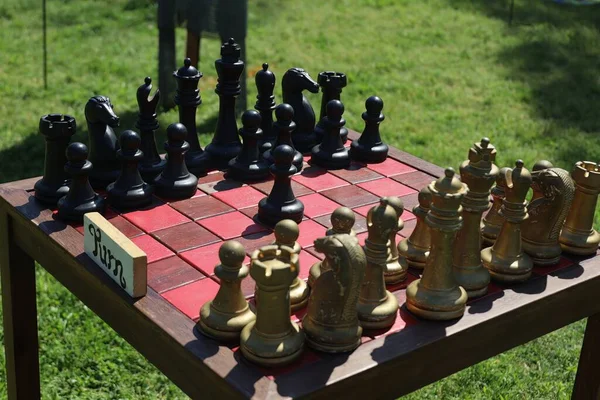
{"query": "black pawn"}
(265, 104)
(369, 148)
(331, 84)
(175, 181)
(281, 203)
(81, 198)
(331, 153)
(57, 130)
(129, 190)
(248, 165)
(151, 165)
(283, 127)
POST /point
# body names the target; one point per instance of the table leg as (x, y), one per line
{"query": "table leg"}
(20, 316)
(587, 382)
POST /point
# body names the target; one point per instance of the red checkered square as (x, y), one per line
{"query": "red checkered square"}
(350, 196)
(316, 205)
(185, 237)
(386, 187)
(309, 231)
(170, 273)
(155, 217)
(231, 225)
(391, 167)
(242, 197)
(203, 258)
(356, 173)
(318, 179)
(201, 207)
(153, 248)
(189, 298)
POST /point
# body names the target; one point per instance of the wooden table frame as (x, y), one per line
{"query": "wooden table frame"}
(395, 365)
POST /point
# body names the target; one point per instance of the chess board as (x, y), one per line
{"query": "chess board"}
(182, 238)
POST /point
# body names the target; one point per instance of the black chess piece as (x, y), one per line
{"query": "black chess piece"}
(175, 181)
(331, 153)
(226, 144)
(151, 165)
(57, 130)
(248, 166)
(265, 104)
(284, 127)
(331, 84)
(129, 190)
(369, 148)
(101, 119)
(293, 83)
(281, 203)
(187, 98)
(80, 198)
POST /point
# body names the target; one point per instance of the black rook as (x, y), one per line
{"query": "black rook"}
(57, 130)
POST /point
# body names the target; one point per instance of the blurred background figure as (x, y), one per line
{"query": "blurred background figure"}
(225, 18)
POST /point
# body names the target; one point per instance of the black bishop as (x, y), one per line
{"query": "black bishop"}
(265, 104)
(151, 165)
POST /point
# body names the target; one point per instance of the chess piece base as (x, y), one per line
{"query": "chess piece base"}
(415, 256)
(223, 326)
(474, 279)
(304, 142)
(248, 173)
(378, 315)
(50, 194)
(68, 212)
(542, 254)
(197, 162)
(101, 179)
(150, 172)
(222, 154)
(270, 215)
(372, 155)
(337, 160)
(395, 271)
(271, 351)
(331, 340)
(181, 189)
(507, 271)
(267, 145)
(579, 244)
(298, 294)
(135, 197)
(438, 305)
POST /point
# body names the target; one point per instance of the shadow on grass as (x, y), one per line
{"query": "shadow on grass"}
(26, 158)
(558, 59)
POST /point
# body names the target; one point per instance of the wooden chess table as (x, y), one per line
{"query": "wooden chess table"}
(181, 240)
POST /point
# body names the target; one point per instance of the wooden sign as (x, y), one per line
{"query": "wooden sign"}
(118, 256)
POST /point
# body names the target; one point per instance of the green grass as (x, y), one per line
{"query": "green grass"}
(449, 71)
